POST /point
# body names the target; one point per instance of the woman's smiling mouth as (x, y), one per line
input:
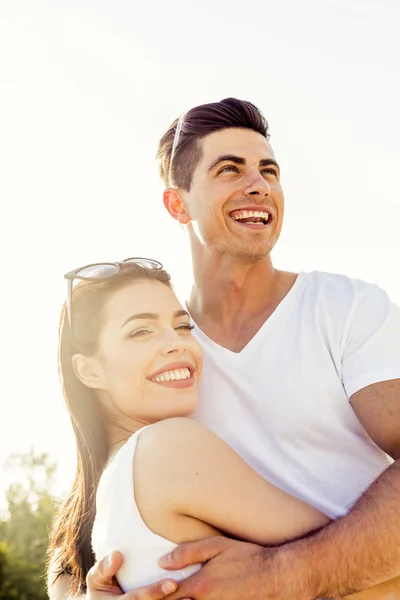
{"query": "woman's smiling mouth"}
(175, 375)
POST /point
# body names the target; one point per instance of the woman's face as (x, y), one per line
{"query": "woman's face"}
(148, 360)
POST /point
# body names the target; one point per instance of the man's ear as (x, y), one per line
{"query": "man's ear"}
(175, 206)
(88, 370)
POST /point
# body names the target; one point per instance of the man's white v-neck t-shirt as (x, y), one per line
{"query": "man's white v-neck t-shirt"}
(283, 402)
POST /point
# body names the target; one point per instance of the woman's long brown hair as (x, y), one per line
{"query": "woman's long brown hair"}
(70, 549)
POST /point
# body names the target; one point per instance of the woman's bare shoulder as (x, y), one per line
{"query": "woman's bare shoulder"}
(176, 429)
(171, 457)
(172, 449)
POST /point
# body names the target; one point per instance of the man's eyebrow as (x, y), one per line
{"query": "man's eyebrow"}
(154, 316)
(238, 160)
(266, 162)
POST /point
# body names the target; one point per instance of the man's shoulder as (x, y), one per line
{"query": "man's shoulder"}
(337, 299)
(336, 287)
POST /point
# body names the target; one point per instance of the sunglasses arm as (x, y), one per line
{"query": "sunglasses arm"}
(69, 302)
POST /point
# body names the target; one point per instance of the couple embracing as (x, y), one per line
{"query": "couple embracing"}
(245, 445)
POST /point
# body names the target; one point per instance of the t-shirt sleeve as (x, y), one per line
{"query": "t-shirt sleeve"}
(372, 341)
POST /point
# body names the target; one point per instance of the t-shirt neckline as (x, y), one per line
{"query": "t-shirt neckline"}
(281, 308)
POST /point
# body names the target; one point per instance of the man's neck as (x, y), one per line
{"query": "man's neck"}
(231, 299)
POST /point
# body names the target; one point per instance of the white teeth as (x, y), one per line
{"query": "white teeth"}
(176, 375)
(247, 214)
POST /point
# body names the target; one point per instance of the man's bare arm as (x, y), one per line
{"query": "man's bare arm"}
(363, 548)
(356, 552)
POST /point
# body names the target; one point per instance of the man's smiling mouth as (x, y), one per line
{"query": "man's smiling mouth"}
(259, 218)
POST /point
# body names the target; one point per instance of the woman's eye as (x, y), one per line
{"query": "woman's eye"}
(139, 332)
(185, 326)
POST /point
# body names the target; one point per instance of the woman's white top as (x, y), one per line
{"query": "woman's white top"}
(119, 526)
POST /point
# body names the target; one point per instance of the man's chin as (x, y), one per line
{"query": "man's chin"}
(239, 249)
(251, 253)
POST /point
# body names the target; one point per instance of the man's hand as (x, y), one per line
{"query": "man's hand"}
(102, 585)
(235, 571)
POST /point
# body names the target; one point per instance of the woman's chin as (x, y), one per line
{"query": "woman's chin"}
(182, 406)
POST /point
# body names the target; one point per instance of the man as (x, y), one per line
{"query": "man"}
(301, 377)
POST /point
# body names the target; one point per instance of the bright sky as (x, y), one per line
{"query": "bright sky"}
(86, 90)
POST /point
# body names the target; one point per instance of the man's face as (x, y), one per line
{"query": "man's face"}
(236, 202)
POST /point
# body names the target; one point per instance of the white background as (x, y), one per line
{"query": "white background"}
(86, 90)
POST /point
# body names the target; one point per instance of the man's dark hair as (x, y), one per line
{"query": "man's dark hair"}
(197, 123)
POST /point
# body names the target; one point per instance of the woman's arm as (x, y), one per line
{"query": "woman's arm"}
(185, 474)
(59, 586)
(60, 589)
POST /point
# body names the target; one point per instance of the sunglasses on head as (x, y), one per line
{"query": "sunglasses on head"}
(175, 142)
(99, 271)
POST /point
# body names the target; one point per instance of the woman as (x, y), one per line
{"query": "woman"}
(130, 370)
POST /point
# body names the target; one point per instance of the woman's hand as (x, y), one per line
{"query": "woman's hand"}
(102, 585)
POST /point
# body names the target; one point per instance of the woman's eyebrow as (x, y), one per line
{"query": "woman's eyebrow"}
(140, 316)
(154, 316)
(181, 313)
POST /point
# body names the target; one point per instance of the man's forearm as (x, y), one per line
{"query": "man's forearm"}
(358, 551)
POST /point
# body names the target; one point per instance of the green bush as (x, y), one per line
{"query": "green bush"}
(24, 527)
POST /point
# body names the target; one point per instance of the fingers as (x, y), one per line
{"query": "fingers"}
(100, 579)
(155, 591)
(191, 553)
(100, 576)
(195, 586)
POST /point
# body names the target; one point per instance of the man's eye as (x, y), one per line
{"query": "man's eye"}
(228, 168)
(270, 172)
(139, 332)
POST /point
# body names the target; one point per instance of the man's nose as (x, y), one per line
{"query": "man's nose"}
(257, 185)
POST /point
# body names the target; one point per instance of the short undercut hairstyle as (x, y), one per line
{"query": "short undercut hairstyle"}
(199, 122)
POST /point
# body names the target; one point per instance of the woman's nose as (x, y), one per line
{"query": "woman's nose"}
(174, 344)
